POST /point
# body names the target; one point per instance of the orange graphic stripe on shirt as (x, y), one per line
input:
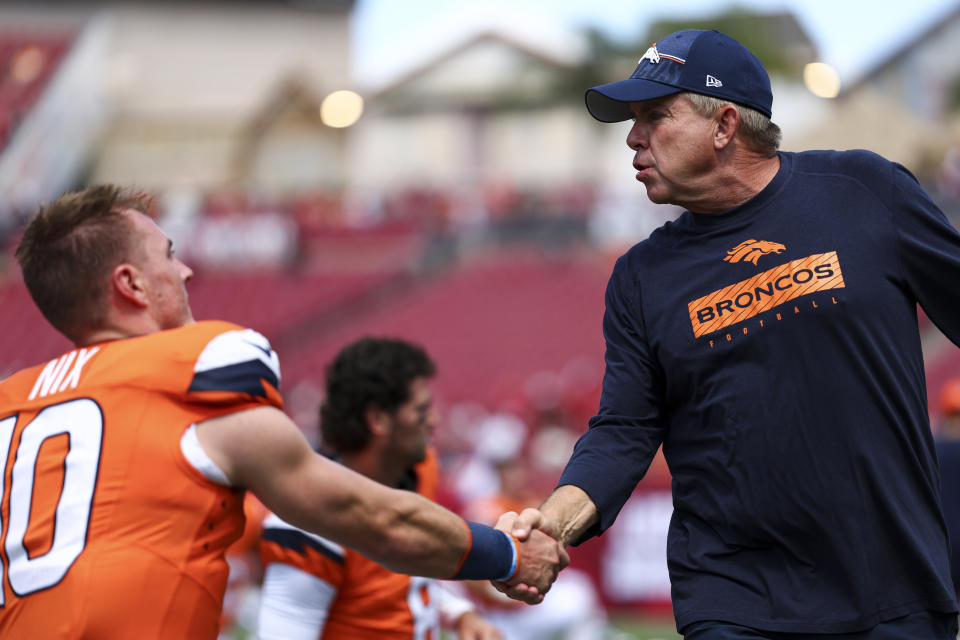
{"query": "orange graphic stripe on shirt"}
(765, 291)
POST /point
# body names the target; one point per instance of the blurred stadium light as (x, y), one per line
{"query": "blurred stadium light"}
(341, 109)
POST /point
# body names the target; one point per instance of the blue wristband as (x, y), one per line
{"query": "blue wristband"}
(492, 555)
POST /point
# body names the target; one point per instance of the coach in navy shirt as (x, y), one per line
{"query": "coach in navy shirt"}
(768, 340)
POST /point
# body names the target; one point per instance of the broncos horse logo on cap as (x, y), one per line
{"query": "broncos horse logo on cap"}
(751, 250)
(652, 55)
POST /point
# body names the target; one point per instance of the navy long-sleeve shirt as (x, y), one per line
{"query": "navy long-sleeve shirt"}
(773, 350)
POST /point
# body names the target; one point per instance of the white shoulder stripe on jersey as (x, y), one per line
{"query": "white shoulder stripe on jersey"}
(195, 455)
(237, 347)
(273, 521)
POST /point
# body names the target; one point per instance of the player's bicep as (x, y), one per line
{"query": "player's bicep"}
(262, 450)
(247, 445)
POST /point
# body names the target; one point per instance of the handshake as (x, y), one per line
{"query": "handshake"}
(541, 555)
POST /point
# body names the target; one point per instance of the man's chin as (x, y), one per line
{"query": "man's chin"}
(657, 198)
(653, 194)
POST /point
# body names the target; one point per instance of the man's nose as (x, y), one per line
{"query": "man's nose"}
(186, 273)
(637, 138)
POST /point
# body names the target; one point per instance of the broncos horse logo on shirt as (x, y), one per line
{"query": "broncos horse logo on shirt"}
(751, 250)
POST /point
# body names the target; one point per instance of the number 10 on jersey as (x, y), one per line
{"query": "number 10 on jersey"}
(81, 420)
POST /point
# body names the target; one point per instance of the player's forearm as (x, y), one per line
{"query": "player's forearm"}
(569, 513)
(415, 535)
(400, 530)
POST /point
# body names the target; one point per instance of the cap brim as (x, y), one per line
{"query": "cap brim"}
(611, 102)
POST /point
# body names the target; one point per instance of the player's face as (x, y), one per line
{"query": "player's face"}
(673, 147)
(164, 275)
(413, 423)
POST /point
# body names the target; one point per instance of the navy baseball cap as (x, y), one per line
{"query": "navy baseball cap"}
(707, 62)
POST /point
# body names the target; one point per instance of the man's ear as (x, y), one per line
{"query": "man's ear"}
(378, 421)
(728, 122)
(127, 281)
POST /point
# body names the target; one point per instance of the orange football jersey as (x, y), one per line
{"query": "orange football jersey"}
(371, 603)
(108, 531)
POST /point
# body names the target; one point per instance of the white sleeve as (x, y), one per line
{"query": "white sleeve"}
(451, 603)
(293, 604)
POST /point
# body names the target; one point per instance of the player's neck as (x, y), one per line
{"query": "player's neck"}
(104, 335)
(120, 324)
(368, 463)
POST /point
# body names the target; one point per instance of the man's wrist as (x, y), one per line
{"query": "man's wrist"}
(491, 555)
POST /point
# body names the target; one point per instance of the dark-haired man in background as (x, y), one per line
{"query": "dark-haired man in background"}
(376, 419)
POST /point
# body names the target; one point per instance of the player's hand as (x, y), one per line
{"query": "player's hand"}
(541, 557)
(520, 526)
(472, 626)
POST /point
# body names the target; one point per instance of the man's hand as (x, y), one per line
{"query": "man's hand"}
(520, 526)
(471, 626)
(541, 556)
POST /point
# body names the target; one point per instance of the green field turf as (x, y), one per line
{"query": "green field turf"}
(640, 629)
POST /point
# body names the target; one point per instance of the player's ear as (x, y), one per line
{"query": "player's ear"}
(727, 122)
(378, 421)
(128, 283)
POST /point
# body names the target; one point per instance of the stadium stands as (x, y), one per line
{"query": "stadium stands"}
(27, 337)
(277, 302)
(27, 62)
(491, 324)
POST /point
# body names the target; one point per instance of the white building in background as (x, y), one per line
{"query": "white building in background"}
(192, 80)
(181, 91)
(482, 111)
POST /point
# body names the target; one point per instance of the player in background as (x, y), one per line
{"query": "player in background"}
(376, 419)
(124, 462)
(948, 453)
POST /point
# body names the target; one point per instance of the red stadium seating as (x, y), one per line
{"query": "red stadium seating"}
(275, 302)
(26, 338)
(27, 63)
(490, 325)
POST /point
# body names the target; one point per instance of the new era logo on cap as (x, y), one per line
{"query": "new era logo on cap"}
(690, 60)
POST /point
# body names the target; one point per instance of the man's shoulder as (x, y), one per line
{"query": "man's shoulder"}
(858, 163)
(210, 352)
(205, 362)
(193, 335)
(228, 358)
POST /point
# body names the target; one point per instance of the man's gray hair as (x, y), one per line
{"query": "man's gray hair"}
(757, 128)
